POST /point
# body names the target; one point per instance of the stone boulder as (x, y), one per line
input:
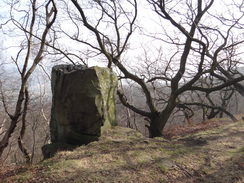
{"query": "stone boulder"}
(83, 103)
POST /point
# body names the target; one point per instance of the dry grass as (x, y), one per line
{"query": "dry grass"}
(123, 155)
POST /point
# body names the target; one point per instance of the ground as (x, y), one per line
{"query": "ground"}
(212, 152)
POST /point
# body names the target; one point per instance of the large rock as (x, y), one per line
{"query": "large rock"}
(83, 103)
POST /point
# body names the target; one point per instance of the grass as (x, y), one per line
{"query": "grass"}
(123, 155)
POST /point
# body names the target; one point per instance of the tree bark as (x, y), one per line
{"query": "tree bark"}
(21, 144)
(158, 122)
(14, 120)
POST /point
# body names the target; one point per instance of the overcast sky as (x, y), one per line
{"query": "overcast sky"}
(146, 18)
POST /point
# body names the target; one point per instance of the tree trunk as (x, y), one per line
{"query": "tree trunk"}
(14, 120)
(7, 135)
(158, 123)
(21, 144)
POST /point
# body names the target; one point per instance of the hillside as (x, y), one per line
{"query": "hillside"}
(215, 155)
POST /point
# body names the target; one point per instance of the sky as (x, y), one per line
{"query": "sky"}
(137, 44)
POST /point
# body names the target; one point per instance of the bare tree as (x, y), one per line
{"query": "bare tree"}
(197, 49)
(35, 36)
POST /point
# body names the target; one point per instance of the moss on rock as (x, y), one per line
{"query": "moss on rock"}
(83, 103)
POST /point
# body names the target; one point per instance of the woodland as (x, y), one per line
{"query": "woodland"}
(178, 63)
